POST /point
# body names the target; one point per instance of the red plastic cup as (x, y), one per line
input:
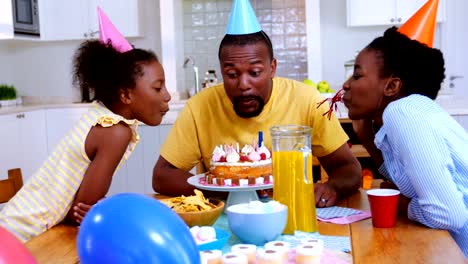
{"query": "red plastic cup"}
(383, 204)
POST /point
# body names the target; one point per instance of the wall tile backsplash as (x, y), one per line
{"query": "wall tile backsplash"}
(205, 24)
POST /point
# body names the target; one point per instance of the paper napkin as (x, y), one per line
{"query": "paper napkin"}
(335, 212)
(341, 215)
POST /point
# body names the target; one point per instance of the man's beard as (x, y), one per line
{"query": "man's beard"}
(256, 112)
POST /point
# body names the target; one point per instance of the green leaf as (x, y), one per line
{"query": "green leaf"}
(7, 92)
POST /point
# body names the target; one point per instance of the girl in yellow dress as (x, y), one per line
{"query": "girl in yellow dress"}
(129, 86)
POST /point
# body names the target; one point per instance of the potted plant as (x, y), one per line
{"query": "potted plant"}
(7, 95)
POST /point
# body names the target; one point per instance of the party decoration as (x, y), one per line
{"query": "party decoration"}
(108, 32)
(12, 250)
(133, 228)
(421, 26)
(242, 19)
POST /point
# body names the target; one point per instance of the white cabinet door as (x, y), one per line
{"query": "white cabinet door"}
(24, 142)
(135, 165)
(61, 20)
(152, 153)
(59, 121)
(6, 19)
(10, 146)
(151, 146)
(137, 173)
(370, 12)
(124, 14)
(33, 137)
(405, 9)
(386, 12)
(67, 20)
(463, 121)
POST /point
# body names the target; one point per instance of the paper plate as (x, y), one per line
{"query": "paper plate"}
(222, 237)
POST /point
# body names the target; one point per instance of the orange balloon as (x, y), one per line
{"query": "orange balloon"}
(421, 26)
(12, 250)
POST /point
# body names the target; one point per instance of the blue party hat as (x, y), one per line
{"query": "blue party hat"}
(242, 19)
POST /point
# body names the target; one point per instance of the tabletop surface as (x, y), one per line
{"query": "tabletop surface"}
(408, 242)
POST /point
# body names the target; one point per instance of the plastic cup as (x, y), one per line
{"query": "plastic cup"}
(383, 204)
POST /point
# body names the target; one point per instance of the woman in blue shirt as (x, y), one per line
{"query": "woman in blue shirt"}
(417, 145)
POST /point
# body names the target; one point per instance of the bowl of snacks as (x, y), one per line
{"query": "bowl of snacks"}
(196, 210)
(257, 222)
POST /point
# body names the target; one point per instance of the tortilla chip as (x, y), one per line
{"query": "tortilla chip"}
(194, 203)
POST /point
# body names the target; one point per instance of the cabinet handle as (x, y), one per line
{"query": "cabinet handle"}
(399, 19)
(92, 33)
(85, 35)
(20, 116)
(392, 20)
(452, 78)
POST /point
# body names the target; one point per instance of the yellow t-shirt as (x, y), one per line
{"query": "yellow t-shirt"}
(208, 120)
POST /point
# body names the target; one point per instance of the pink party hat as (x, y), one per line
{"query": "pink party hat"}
(108, 32)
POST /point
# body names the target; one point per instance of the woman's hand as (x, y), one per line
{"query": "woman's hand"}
(325, 195)
(79, 212)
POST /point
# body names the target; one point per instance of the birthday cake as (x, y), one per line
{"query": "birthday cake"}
(231, 165)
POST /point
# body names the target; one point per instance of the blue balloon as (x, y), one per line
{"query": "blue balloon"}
(133, 228)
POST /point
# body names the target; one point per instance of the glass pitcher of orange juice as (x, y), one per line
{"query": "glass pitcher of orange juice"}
(293, 183)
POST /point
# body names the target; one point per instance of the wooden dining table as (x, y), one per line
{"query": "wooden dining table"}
(407, 242)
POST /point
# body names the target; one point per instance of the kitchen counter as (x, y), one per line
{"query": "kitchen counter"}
(37, 106)
(453, 106)
(170, 117)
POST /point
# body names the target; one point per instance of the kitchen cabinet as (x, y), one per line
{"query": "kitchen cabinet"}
(59, 121)
(24, 142)
(462, 120)
(124, 14)
(63, 20)
(6, 19)
(67, 20)
(136, 174)
(385, 12)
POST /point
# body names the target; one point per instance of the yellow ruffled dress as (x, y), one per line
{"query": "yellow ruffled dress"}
(46, 198)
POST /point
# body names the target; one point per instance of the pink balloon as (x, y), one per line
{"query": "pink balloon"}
(12, 250)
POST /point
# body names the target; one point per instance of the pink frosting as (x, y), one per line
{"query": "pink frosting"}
(216, 157)
(254, 156)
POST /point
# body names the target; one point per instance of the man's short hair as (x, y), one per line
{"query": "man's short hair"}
(246, 39)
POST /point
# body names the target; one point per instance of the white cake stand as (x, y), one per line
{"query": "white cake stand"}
(237, 194)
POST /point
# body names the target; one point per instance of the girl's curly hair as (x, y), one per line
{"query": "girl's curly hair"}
(99, 67)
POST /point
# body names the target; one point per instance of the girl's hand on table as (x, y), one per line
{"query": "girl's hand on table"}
(80, 211)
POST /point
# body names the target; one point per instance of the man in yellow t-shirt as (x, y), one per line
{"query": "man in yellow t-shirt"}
(250, 100)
